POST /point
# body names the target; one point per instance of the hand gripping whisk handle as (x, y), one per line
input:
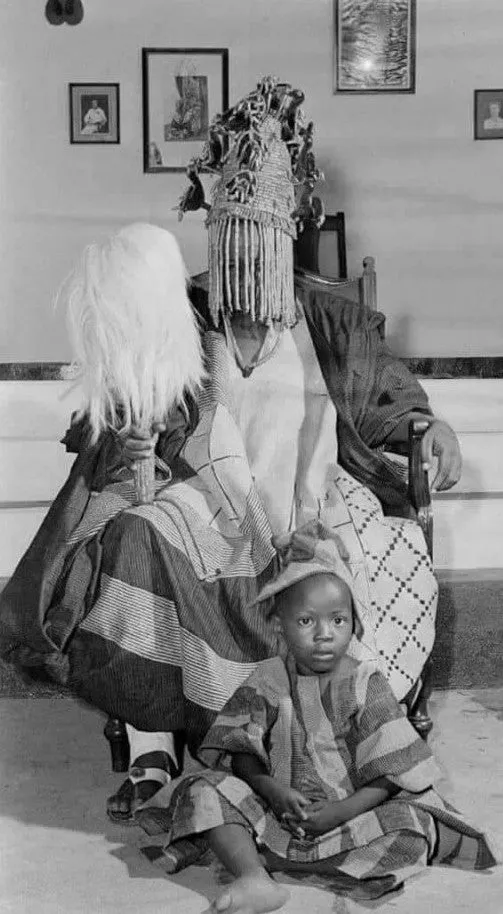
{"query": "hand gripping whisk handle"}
(144, 480)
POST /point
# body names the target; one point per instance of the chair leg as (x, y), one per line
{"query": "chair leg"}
(116, 734)
(418, 713)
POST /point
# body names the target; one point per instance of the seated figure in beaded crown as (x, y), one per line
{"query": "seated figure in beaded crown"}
(286, 348)
(142, 610)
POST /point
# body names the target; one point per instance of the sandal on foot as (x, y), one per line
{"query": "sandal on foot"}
(130, 792)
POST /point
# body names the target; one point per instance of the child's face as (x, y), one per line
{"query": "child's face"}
(316, 619)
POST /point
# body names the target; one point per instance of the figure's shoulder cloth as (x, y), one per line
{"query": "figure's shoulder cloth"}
(328, 308)
(270, 679)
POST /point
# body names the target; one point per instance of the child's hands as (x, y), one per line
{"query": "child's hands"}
(322, 817)
(140, 444)
(287, 804)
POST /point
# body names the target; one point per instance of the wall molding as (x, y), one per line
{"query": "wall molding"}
(464, 496)
(456, 366)
(428, 367)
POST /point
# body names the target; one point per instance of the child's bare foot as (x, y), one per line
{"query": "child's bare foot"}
(253, 894)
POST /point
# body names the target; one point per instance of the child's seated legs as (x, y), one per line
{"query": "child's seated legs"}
(313, 759)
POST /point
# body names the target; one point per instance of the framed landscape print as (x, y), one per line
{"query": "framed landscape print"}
(94, 113)
(183, 89)
(374, 46)
(488, 114)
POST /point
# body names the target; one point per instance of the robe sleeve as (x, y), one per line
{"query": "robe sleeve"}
(395, 396)
(180, 423)
(244, 724)
(374, 393)
(372, 389)
(77, 436)
(387, 746)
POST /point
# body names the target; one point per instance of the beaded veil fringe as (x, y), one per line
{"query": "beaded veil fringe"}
(260, 281)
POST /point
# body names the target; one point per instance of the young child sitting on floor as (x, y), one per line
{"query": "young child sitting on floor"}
(313, 766)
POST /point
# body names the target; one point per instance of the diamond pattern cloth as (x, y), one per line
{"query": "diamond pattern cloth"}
(403, 590)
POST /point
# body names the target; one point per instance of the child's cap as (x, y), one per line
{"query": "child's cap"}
(312, 549)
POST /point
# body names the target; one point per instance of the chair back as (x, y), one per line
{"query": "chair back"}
(361, 289)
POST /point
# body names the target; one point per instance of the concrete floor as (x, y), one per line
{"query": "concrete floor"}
(59, 853)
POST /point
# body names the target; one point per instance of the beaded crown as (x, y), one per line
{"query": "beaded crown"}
(262, 152)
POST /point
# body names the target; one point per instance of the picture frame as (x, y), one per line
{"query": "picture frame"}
(374, 47)
(488, 114)
(183, 90)
(94, 110)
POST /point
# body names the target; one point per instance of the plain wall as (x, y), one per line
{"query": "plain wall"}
(419, 194)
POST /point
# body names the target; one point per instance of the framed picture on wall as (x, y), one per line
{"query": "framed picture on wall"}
(183, 89)
(488, 114)
(374, 46)
(94, 113)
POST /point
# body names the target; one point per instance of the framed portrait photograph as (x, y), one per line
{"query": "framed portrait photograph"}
(94, 113)
(183, 89)
(374, 46)
(488, 114)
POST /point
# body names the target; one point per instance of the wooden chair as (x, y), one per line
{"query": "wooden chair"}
(307, 247)
(360, 288)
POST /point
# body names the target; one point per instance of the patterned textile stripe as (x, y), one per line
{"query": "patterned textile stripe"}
(211, 552)
(149, 695)
(148, 625)
(369, 739)
(470, 852)
(175, 581)
(332, 769)
(372, 845)
(195, 560)
(142, 627)
(185, 517)
(275, 711)
(132, 552)
(103, 506)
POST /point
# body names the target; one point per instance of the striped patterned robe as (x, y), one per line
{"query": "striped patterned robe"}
(168, 633)
(326, 737)
(144, 611)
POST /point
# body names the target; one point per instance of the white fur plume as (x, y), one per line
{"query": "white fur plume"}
(134, 334)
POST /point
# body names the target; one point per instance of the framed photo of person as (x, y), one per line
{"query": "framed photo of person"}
(183, 89)
(94, 113)
(488, 114)
(374, 47)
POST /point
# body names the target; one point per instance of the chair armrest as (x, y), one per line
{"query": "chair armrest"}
(419, 487)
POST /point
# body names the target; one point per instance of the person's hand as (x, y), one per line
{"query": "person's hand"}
(140, 444)
(441, 442)
(287, 804)
(321, 818)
